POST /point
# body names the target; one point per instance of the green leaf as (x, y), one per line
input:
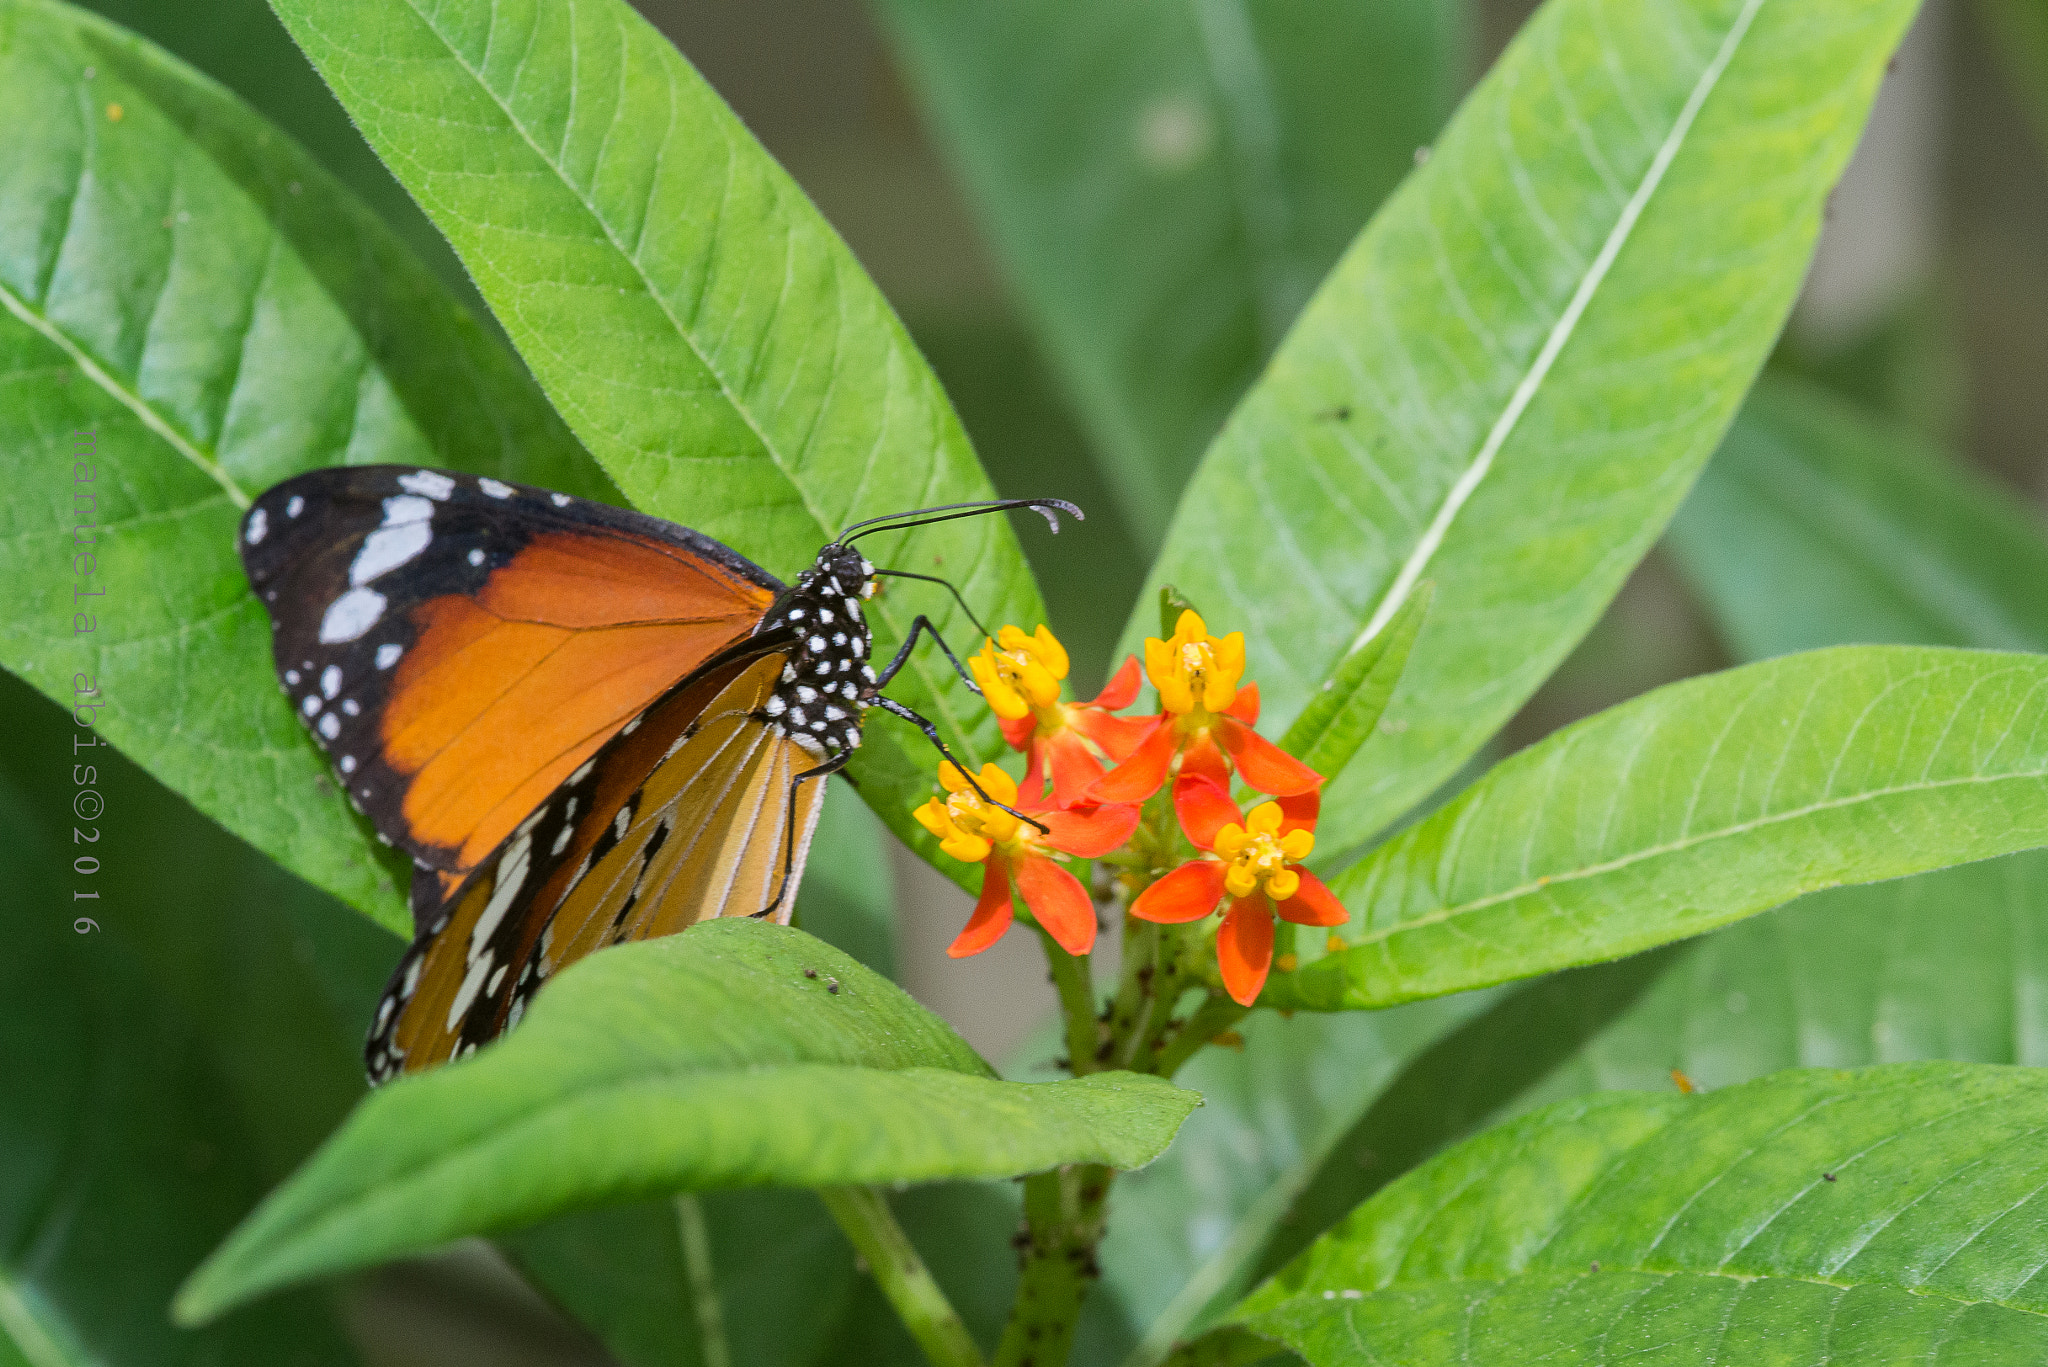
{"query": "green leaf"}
(1816, 525)
(1187, 1229)
(1343, 713)
(1693, 806)
(692, 316)
(193, 309)
(709, 1059)
(1165, 184)
(1846, 1217)
(135, 1057)
(1511, 378)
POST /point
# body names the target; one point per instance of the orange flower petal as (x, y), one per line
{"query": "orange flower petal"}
(1092, 833)
(1141, 775)
(1244, 948)
(1118, 736)
(1261, 763)
(1298, 811)
(1203, 808)
(1020, 731)
(991, 912)
(1059, 903)
(1074, 770)
(1122, 689)
(1313, 904)
(1031, 788)
(1189, 893)
(1245, 706)
(1203, 759)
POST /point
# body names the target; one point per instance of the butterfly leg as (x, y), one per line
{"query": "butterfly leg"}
(931, 733)
(924, 624)
(820, 774)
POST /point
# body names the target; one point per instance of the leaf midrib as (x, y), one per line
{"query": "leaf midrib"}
(1560, 332)
(121, 394)
(768, 447)
(1544, 882)
(1607, 1267)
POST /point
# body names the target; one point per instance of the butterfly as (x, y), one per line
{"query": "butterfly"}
(584, 725)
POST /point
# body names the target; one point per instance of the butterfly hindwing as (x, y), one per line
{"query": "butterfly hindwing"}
(690, 812)
(460, 645)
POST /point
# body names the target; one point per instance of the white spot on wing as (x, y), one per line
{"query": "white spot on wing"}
(259, 523)
(388, 653)
(312, 704)
(350, 615)
(432, 483)
(296, 506)
(494, 488)
(406, 531)
(330, 681)
(291, 676)
(559, 500)
(476, 557)
(348, 764)
(472, 981)
(511, 877)
(330, 726)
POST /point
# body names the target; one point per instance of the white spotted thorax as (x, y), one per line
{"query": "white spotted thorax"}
(830, 679)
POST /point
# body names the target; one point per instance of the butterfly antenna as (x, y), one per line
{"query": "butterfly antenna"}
(1048, 508)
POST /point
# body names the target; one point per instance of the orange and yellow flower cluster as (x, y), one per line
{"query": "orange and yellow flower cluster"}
(1089, 774)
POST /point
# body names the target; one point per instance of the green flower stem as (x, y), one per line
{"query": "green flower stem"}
(1063, 1213)
(863, 1212)
(1211, 1019)
(1076, 986)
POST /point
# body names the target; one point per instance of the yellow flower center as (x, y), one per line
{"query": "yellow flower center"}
(1260, 857)
(1021, 674)
(1195, 671)
(969, 828)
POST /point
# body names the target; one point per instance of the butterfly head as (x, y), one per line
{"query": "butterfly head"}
(845, 569)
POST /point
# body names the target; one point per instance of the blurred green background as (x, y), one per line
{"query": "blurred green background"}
(1928, 305)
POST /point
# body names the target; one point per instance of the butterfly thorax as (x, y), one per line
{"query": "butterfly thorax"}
(829, 679)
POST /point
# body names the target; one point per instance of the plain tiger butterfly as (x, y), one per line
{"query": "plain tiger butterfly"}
(584, 725)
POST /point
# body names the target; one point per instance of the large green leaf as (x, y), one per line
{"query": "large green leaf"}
(739, 1053)
(1510, 380)
(701, 327)
(1848, 1217)
(1693, 806)
(134, 1121)
(1816, 525)
(1166, 183)
(1187, 1230)
(1945, 965)
(194, 309)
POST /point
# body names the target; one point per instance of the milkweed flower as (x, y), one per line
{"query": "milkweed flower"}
(1253, 861)
(1068, 745)
(1012, 851)
(1206, 718)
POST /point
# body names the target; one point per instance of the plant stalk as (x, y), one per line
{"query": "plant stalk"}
(1210, 1019)
(1076, 986)
(1063, 1213)
(863, 1212)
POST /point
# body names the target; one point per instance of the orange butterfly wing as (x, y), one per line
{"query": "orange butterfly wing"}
(460, 646)
(692, 813)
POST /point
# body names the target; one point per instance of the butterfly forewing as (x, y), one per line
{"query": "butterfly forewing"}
(691, 813)
(460, 646)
